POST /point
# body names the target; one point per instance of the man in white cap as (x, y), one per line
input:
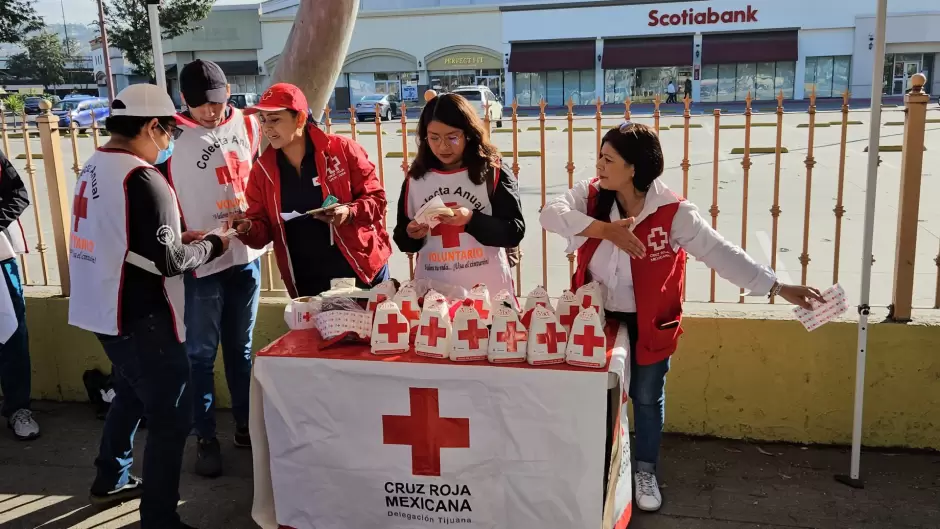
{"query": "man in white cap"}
(209, 172)
(127, 256)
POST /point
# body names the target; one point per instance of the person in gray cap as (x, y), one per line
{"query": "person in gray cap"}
(209, 171)
(127, 258)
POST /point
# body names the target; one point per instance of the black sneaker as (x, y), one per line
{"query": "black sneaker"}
(209, 458)
(105, 500)
(242, 437)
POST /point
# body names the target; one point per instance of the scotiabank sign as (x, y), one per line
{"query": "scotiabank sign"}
(691, 17)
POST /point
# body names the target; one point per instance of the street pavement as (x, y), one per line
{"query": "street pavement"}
(707, 484)
(759, 237)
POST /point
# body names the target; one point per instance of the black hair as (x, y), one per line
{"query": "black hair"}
(639, 146)
(131, 126)
(479, 155)
(310, 119)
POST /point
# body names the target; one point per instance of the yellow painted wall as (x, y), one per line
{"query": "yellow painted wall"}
(733, 376)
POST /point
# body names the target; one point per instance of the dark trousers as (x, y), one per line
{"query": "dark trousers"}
(152, 380)
(15, 375)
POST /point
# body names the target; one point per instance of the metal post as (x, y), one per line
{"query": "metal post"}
(59, 196)
(912, 162)
(107, 50)
(874, 139)
(159, 71)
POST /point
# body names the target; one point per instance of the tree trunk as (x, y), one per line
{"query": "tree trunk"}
(316, 47)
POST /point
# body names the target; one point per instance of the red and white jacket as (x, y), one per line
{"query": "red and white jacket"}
(346, 173)
(651, 287)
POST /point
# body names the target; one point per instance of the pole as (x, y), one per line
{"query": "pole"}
(159, 72)
(68, 47)
(107, 51)
(874, 139)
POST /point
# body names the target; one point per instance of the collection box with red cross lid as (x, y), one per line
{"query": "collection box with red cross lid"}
(587, 343)
(508, 338)
(470, 337)
(434, 332)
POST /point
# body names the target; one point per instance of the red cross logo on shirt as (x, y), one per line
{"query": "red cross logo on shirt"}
(433, 331)
(473, 334)
(589, 340)
(425, 431)
(450, 235)
(393, 327)
(234, 172)
(512, 337)
(80, 205)
(551, 337)
(567, 320)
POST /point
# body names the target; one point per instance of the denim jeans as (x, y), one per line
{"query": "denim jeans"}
(15, 374)
(221, 309)
(152, 379)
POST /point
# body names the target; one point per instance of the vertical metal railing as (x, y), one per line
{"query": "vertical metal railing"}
(839, 210)
(775, 209)
(746, 167)
(328, 123)
(714, 209)
(542, 162)
(598, 118)
(810, 162)
(626, 108)
(515, 173)
(37, 210)
(352, 123)
(656, 102)
(570, 167)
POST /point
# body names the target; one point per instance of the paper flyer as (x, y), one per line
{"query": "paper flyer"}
(422, 216)
(822, 313)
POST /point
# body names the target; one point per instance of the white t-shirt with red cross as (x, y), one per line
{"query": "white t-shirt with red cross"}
(209, 171)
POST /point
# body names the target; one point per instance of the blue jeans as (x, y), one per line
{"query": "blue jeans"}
(151, 379)
(648, 393)
(15, 374)
(221, 309)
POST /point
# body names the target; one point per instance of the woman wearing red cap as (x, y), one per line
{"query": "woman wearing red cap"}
(295, 174)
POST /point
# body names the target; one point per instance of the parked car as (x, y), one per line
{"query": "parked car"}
(479, 96)
(82, 112)
(31, 105)
(389, 107)
(244, 100)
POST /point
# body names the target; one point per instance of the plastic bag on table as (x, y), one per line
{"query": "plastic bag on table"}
(343, 320)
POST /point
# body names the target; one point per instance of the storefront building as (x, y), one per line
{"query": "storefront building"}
(716, 51)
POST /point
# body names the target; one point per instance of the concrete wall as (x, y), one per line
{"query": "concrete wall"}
(734, 376)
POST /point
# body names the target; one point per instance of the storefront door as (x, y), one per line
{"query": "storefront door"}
(903, 71)
(388, 87)
(493, 82)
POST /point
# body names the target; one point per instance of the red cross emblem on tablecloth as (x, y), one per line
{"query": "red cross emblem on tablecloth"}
(551, 337)
(473, 334)
(393, 327)
(375, 304)
(512, 337)
(433, 331)
(450, 235)
(567, 320)
(411, 313)
(589, 340)
(425, 431)
(80, 205)
(234, 172)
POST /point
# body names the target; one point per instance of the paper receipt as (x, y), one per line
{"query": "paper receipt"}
(836, 304)
(225, 233)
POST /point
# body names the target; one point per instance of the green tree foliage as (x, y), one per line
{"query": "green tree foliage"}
(43, 61)
(17, 18)
(129, 26)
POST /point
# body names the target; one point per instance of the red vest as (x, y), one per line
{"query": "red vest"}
(657, 282)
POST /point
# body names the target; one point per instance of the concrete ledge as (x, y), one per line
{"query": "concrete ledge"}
(742, 371)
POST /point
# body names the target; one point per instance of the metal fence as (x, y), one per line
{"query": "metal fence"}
(915, 118)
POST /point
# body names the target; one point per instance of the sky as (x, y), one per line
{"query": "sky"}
(85, 11)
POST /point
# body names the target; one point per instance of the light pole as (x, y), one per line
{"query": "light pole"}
(159, 72)
(107, 51)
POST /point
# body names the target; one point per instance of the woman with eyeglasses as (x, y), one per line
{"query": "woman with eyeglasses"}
(482, 215)
(126, 261)
(632, 233)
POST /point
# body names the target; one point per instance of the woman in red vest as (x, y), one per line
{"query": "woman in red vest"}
(631, 234)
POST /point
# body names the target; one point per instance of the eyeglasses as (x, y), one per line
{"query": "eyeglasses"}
(627, 126)
(174, 132)
(453, 139)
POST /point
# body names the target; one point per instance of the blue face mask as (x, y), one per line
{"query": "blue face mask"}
(163, 154)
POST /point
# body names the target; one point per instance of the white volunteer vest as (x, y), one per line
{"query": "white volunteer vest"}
(98, 246)
(209, 171)
(451, 255)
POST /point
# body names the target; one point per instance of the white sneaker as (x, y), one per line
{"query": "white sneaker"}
(647, 493)
(24, 427)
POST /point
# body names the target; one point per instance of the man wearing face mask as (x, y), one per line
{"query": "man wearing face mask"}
(209, 172)
(127, 256)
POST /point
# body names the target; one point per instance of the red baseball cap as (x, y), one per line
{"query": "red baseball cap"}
(280, 96)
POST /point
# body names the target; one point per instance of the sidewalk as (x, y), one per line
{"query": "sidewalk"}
(708, 484)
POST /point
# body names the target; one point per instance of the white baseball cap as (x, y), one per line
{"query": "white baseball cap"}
(143, 100)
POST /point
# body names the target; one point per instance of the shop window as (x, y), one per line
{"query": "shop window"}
(618, 85)
(556, 87)
(727, 76)
(708, 91)
(786, 78)
(732, 82)
(745, 81)
(764, 80)
(829, 75)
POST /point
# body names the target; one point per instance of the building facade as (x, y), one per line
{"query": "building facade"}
(714, 50)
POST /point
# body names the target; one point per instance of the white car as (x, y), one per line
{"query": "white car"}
(479, 96)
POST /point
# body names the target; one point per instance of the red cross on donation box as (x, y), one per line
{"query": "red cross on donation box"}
(80, 205)
(392, 327)
(425, 431)
(589, 340)
(450, 235)
(551, 337)
(433, 331)
(234, 172)
(512, 337)
(473, 334)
